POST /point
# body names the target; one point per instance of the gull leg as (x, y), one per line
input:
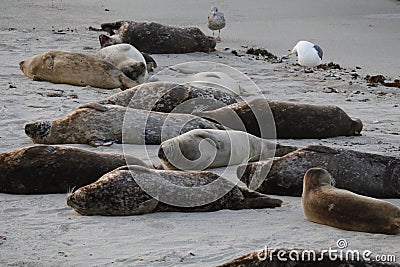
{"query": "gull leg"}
(218, 39)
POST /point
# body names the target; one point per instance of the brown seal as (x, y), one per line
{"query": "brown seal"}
(325, 204)
(364, 173)
(97, 124)
(170, 97)
(76, 69)
(292, 120)
(117, 193)
(152, 37)
(55, 169)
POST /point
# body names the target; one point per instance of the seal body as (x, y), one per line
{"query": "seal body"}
(206, 148)
(152, 37)
(97, 124)
(76, 69)
(363, 173)
(292, 120)
(117, 193)
(55, 169)
(170, 97)
(220, 80)
(325, 204)
(126, 58)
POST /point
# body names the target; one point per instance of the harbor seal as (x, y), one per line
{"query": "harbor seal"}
(292, 120)
(156, 38)
(170, 97)
(76, 69)
(97, 124)
(325, 204)
(126, 58)
(118, 193)
(205, 148)
(55, 169)
(360, 172)
(217, 79)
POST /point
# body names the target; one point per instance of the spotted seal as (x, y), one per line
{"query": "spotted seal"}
(156, 38)
(360, 172)
(55, 169)
(170, 97)
(292, 120)
(209, 148)
(76, 69)
(97, 124)
(325, 204)
(117, 193)
(128, 59)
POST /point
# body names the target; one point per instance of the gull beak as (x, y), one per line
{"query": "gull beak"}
(289, 54)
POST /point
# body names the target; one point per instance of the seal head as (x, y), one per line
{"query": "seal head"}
(38, 130)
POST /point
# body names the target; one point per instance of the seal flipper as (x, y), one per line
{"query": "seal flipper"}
(261, 203)
(37, 78)
(111, 26)
(147, 206)
(101, 142)
(150, 62)
(96, 106)
(281, 150)
(126, 82)
(256, 200)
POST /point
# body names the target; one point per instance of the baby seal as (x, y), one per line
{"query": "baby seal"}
(325, 204)
(117, 193)
(360, 172)
(76, 69)
(126, 58)
(97, 124)
(170, 97)
(55, 169)
(156, 38)
(205, 148)
(292, 120)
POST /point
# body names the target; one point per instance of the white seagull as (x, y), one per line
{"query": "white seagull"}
(216, 21)
(309, 54)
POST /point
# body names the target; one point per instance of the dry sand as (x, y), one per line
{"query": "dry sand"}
(41, 230)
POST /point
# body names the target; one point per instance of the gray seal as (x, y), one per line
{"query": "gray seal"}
(97, 124)
(170, 97)
(325, 204)
(156, 38)
(292, 120)
(360, 172)
(117, 193)
(76, 69)
(209, 148)
(55, 169)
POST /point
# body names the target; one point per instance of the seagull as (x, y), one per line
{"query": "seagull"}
(216, 21)
(309, 54)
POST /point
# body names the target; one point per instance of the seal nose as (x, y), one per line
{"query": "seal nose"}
(21, 64)
(30, 129)
(161, 154)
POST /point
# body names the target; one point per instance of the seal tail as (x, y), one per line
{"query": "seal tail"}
(397, 225)
(126, 82)
(256, 200)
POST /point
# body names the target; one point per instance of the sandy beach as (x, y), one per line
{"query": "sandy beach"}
(361, 36)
